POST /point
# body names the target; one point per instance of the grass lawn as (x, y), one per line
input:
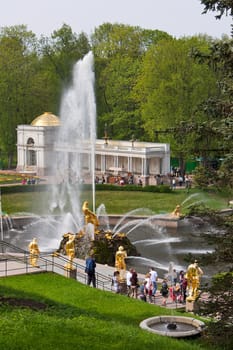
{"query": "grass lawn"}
(74, 316)
(118, 202)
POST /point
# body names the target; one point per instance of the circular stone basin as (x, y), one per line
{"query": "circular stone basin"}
(181, 326)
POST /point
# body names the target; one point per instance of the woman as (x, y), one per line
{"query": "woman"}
(134, 284)
(148, 287)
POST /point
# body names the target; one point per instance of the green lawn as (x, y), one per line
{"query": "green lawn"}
(117, 202)
(77, 317)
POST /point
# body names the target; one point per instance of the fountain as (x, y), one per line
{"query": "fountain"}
(173, 326)
(156, 244)
(75, 160)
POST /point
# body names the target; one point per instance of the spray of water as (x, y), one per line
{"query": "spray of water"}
(133, 212)
(75, 145)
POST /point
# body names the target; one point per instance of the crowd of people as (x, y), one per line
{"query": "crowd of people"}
(178, 286)
(175, 286)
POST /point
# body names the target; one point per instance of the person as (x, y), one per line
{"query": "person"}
(142, 293)
(180, 180)
(153, 278)
(183, 286)
(164, 292)
(140, 181)
(120, 261)
(115, 281)
(181, 276)
(134, 284)
(34, 252)
(90, 270)
(193, 275)
(177, 293)
(173, 183)
(148, 287)
(128, 281)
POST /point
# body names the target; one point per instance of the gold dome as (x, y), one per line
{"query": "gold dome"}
(46, 119)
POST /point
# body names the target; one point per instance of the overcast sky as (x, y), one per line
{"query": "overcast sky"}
(176, 17)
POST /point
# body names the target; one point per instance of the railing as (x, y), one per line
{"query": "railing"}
(14, 260)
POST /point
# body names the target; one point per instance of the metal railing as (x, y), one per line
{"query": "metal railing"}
(14, 261)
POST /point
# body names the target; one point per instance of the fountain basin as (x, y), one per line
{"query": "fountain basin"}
(185, 326)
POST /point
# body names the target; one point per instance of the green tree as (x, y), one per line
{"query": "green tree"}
(63, 49)
(119, 50)
(171, 87)
(218, 307)
(220, 60)
(17, 59)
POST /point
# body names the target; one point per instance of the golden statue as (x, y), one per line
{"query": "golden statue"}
(70, 251)
(177, 211)
(90, 217)
(193, 275)
(34, 252)
(120, 264)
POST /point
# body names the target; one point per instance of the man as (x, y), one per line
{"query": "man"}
(90, 270)
(153, 278)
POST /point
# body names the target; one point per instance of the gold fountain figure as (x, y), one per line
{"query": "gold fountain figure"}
(120, 264)
(34, 252)
(193, 275)
(90, 217)
(177, 211)
(70, 251)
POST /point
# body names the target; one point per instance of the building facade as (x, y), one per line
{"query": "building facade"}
(37, 146)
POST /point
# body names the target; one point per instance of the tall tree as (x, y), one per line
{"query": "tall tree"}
(63, 49)
(220, 60)
(171, 87)
(119, 50)
(17, 59)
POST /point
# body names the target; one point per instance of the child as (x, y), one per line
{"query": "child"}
(164, 291)
(115, 281)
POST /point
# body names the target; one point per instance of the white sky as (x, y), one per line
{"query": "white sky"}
(176, 17)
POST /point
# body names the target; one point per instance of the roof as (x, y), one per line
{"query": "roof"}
(46, 119)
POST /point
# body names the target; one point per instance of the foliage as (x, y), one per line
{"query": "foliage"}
(118, 50)
(204, 177)
(63, 49)
(170, 89)
(219, 307)
(225, 173)
(159, 188)
(220, 6)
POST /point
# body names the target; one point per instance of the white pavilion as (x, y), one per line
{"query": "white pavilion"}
(36, 149)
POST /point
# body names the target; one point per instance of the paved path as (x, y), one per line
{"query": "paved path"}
(17, 267)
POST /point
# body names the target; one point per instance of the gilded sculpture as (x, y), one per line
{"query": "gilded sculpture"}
(193, 275)
(120, 264)
(90, 217)
(70, 251)
(34, 252)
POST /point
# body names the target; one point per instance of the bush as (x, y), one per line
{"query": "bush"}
(136, 188)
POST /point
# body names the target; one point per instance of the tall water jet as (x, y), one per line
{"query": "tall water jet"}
(75, 147)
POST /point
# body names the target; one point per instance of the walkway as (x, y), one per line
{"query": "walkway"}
(10, 267)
